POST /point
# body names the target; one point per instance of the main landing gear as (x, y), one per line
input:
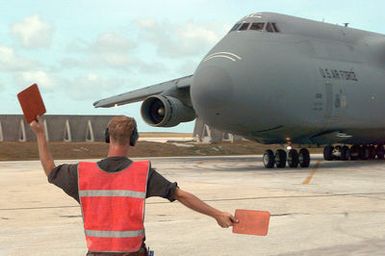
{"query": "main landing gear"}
(355, 152)
(292, 157)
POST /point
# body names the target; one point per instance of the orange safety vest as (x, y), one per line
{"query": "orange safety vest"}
(113, 206)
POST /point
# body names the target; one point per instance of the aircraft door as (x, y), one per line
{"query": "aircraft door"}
(336, 101)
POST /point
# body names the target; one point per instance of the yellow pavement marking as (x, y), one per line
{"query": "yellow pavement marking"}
(309, 178)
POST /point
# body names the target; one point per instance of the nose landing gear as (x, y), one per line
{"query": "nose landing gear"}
(292, 157)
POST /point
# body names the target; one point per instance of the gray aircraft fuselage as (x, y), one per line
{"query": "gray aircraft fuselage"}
(305, 82)
(279, 79)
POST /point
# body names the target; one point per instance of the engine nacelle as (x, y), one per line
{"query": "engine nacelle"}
(165, 111)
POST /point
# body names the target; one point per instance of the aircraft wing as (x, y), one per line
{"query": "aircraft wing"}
(143, 93)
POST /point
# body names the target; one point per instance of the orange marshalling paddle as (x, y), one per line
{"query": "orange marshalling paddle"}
(31, 103)
(251, 222)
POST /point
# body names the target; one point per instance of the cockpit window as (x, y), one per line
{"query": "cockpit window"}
(257, 26)
(244, 26)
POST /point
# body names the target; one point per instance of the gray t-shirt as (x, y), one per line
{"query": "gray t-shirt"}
(65, 176)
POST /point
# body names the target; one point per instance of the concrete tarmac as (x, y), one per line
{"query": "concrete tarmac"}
(332, 208)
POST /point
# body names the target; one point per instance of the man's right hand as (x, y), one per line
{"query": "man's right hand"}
(225, 219)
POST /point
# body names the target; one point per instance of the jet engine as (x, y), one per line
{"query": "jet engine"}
(165, 111)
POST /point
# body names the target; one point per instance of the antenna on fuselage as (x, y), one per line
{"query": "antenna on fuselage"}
(346, 24)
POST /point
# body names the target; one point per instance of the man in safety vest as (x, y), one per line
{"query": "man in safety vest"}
(112, 191)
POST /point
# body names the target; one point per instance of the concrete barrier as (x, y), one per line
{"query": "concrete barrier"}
(67, 128)
(87, 128)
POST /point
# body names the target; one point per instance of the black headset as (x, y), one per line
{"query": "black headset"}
(133, 138)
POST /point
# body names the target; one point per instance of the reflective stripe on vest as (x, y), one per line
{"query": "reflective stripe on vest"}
(118, 234)
(113, 206)
(125, 193)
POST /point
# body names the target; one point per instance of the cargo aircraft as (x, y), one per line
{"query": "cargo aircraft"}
(278, 79)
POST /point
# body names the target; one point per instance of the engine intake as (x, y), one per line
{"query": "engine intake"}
(165, 111)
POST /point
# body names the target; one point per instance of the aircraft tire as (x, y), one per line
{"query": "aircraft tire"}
(345, 153)
(280, 158)
(292, 158)
(304, 158)
(328, 153)
(268, 159)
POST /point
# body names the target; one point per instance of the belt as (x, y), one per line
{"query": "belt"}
(141, 252)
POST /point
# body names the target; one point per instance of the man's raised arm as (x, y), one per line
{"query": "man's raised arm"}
(44, 153)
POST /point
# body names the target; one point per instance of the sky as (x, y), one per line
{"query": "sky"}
(80, 51)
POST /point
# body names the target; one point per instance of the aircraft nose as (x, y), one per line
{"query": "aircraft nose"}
(212, 91)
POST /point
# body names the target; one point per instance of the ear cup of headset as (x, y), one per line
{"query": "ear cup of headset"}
(107, 135)
(134, 137)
